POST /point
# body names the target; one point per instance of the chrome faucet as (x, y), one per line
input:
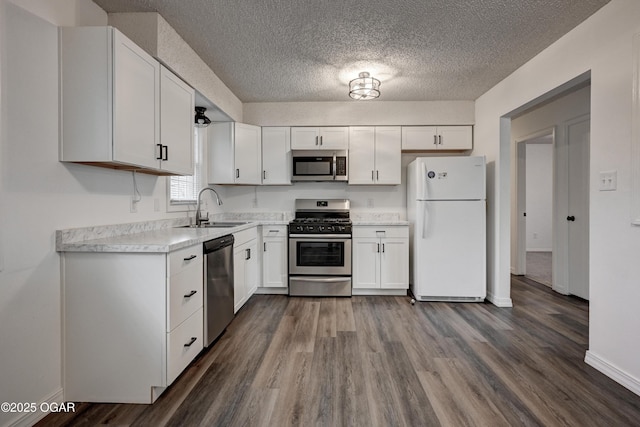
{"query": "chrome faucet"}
(199, 218)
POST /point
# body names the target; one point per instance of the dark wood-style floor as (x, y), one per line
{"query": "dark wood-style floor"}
(380, 361)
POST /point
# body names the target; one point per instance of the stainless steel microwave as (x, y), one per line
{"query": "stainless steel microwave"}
(319, 165)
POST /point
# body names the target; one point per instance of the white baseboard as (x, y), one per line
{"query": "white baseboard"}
(499, 302)
(613, 372)
(30, 418)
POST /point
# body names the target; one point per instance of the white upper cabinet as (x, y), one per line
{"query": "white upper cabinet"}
(177, 106)
(375, 155)
(427, 138)
(111, 105)
(276, 156)
(235, 154)
(319, 138)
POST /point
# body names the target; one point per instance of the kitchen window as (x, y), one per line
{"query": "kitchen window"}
(183, 190)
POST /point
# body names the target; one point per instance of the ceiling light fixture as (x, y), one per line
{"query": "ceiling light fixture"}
(364, 87)
(201, 121)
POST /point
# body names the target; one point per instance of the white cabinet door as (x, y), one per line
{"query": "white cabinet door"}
(177, 104)
(419, 138)
(251, 268)
(394, 263)
(362, 144)
(427, 138)
(388, 155)
(305, 138)
(365, 263)
(276, 156)
(335, 138)
(248, 154)
(455, 138)
(314, 138)
(274, 262)
(234, 152)
(239, 278)
(136, 102)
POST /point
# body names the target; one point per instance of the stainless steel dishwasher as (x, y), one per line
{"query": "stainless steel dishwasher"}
(218, 287)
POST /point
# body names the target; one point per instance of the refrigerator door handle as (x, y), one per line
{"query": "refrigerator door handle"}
(424, 181)
(425, 220)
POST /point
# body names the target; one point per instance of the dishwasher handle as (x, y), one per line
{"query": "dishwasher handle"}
(219, 243)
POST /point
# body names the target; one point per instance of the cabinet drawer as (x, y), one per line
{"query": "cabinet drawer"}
(185, 295)
(380, 232)
(184, 258)
(244, 236)
(183, 344)
(274, 231)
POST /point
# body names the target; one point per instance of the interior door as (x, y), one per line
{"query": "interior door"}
(578, 136)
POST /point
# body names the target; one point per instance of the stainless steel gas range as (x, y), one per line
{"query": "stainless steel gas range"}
(320, 248)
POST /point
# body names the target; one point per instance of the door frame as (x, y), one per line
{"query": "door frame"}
(520, 263)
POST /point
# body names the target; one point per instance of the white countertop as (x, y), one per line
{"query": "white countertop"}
(160, 240)
(168, 235)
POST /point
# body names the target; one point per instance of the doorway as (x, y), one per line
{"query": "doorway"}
(551, 200)
(535, 191)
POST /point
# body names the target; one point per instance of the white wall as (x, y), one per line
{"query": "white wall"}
(40, 195)
(602, 45)
(539, 198)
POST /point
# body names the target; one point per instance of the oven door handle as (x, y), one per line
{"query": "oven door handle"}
(321, 236)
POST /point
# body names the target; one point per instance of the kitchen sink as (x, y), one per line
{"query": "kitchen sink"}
(217, 224)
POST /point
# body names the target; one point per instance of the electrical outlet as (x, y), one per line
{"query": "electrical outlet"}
(133, 205)
(608, 181)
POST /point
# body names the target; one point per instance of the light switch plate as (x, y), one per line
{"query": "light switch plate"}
(608, 181)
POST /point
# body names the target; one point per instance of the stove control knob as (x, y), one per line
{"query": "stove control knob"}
(310, 227)
(330, 228)
(321, 228)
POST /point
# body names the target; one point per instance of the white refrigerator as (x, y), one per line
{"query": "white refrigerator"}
(446, 209)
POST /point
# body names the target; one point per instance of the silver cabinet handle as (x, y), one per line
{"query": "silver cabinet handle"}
(191, 341)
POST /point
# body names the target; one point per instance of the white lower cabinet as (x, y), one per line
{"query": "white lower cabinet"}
(380, 260)
(245, 267)
(132, 322)
(274, 259)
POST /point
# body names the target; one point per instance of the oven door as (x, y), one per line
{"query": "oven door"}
(320, 255)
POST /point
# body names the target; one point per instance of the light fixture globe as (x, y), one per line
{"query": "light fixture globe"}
(364, 87)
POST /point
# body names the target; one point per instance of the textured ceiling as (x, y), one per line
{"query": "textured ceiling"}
(421, 50)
